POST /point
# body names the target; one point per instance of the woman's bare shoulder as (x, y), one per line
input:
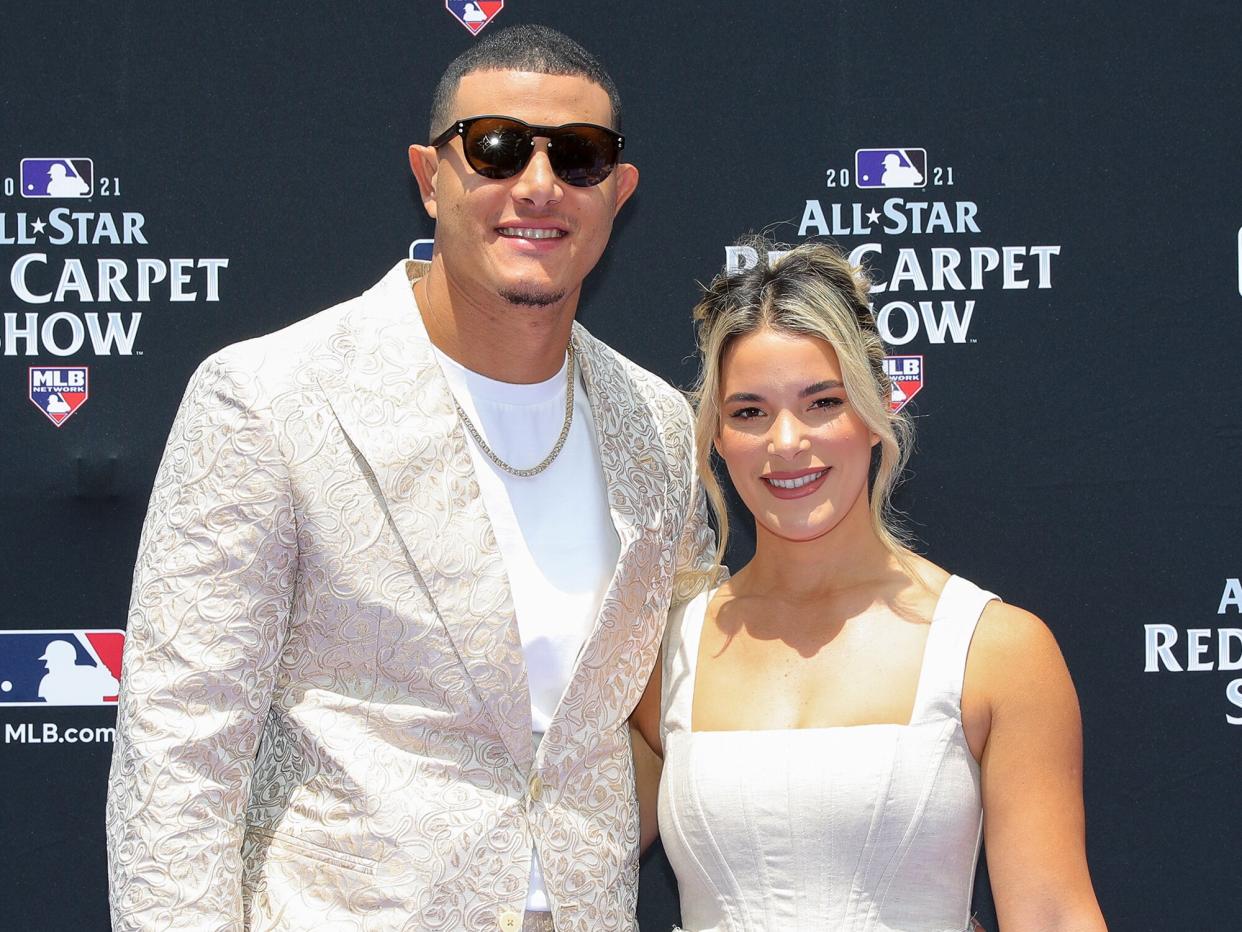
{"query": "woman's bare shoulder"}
(1014, 655)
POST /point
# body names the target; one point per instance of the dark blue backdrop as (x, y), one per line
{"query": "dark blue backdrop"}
(1078, 442)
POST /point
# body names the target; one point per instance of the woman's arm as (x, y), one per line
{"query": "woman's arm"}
(1033, 822)
(648, 756)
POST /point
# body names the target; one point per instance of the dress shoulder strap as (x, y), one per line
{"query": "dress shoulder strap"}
(680, 658)
(953, 625)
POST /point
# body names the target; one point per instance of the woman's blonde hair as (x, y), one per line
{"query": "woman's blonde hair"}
(810, 289)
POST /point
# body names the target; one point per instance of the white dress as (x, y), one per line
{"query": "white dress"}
(868, 828)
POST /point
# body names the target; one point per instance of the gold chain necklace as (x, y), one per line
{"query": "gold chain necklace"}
(560, 441)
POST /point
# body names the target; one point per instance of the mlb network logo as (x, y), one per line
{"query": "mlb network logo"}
(60, 667)
(59, 177)
(890, 168)
(58, 391)
(906, 375)
(474, 14)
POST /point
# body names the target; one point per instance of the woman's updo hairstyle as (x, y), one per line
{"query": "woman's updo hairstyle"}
(810, 289)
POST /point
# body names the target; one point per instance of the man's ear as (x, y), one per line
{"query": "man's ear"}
(424, 160)
(627, 180)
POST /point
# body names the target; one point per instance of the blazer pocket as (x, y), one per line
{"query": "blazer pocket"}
(268, 839)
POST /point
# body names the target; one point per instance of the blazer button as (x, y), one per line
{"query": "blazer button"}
(510, 921)
(536, 788)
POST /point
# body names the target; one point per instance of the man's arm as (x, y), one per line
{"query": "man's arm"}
(647, 769)
(696, 568)
(212, 589)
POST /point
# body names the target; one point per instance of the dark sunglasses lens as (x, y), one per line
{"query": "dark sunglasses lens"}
(583, 155)
(497, 148)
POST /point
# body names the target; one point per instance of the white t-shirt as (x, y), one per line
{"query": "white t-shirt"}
(554, 529)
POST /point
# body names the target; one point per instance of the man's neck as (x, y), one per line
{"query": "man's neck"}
(491, 336)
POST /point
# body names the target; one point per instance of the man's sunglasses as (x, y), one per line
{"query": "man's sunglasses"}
(582, 154)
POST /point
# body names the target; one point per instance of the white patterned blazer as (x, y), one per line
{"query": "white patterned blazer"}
(324, 719)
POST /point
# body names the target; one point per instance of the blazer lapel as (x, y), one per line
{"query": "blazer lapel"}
(394, 404)
(632, 457)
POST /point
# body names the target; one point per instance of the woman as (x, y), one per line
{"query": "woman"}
(837, 720)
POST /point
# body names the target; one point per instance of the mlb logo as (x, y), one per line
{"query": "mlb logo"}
(62, 177)
(60, 667)
(421, 249)
(474, 14)
(58, 391)
(890, 168)
(905, 373)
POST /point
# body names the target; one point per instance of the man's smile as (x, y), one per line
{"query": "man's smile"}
(531, 232)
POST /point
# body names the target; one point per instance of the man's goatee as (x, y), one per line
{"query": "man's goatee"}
(532, 298)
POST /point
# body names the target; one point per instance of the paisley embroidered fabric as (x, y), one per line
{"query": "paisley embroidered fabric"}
(872, 828)
(325, 719)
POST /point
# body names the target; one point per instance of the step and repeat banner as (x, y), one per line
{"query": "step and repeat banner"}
(1047, 197)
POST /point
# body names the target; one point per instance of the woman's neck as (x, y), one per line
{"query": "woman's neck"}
(849, 555)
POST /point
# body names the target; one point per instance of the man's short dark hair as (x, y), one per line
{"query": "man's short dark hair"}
(526, 47)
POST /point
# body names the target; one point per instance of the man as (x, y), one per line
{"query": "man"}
(407, 564)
